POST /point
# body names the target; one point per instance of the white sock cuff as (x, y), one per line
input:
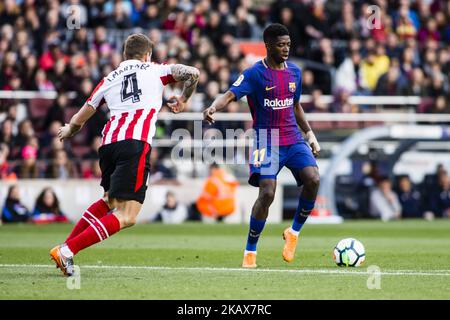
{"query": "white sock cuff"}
(246, 251)
(65, 251)
(295, 233)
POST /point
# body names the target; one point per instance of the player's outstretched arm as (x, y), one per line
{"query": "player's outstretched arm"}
(76, 122)
(305, 127)
(218, 104)
(189, 75)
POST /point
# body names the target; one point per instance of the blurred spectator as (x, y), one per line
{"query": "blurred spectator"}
(26, 131)
(212, 90)
(172, 212)
(288, 20)
(317, 104)
(13, 210)
(217, 199)
(158, 171)
(408, 62)
(46, 209)
(406, 23)
(17, 112)
(86, 88)
(47, 138)
(308, 81)
(95, 124)
(342, 103)
(56, 112)
(430, 31)
(393, 48)
(28, 168)
(242, 27)
(6, 171)
(440, 105)
(150, 18)
(347, 74)
(440, 196)
(347, 27)
(372, 67)
(10, 12)
(392, 83)
(384, 203)
(61, 167)
(417, 86)
(119, 18)
(93, 152)
(6, 133)
(93, 171)
(50, 57)
(410, 198)
(41, 82)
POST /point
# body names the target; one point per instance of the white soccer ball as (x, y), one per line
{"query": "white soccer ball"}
(349, 252)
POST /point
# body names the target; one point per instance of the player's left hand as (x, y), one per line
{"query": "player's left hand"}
(312, 140)
(176, 104)
(65, 132)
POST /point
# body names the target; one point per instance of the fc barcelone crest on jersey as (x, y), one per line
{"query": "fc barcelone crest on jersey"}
(292, 86)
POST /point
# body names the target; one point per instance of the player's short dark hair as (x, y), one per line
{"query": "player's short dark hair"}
(273, 31)
(137, 46)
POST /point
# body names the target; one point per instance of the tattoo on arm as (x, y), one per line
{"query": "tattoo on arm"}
(189, 75)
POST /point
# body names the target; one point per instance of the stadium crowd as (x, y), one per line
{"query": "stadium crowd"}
(46, 208)
(392, 198)
(68, 46)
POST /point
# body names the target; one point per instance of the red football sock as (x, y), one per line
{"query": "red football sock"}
(98, 230)
(98, 209)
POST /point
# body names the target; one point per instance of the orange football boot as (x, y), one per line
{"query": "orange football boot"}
(249, 260)
(289, 246)
(62, 262)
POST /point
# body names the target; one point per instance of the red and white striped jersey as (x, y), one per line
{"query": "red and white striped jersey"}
(133, 93)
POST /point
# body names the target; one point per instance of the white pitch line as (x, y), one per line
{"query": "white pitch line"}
(444, 273)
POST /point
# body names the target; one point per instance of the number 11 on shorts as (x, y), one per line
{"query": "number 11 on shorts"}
(258, 156)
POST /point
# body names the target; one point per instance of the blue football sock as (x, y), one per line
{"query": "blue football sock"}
(303, 210)
(256, 227)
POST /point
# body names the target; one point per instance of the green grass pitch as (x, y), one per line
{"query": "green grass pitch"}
(197, 261)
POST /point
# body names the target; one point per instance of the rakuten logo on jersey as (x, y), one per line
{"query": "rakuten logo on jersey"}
(279, 104)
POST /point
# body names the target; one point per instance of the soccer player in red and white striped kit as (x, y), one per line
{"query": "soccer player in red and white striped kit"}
(133, 93)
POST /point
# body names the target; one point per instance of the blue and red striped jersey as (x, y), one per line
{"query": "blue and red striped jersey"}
(271, 95)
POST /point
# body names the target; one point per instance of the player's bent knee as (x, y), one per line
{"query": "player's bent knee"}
(315, 181)
(267, 195)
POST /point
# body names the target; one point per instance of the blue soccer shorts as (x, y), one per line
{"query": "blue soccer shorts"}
(266, 162)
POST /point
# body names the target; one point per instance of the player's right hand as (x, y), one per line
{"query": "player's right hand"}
(208, 115)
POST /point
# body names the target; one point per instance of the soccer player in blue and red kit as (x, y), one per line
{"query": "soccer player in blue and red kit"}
(273, 88)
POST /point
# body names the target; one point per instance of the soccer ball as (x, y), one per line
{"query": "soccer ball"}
(349, 253)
